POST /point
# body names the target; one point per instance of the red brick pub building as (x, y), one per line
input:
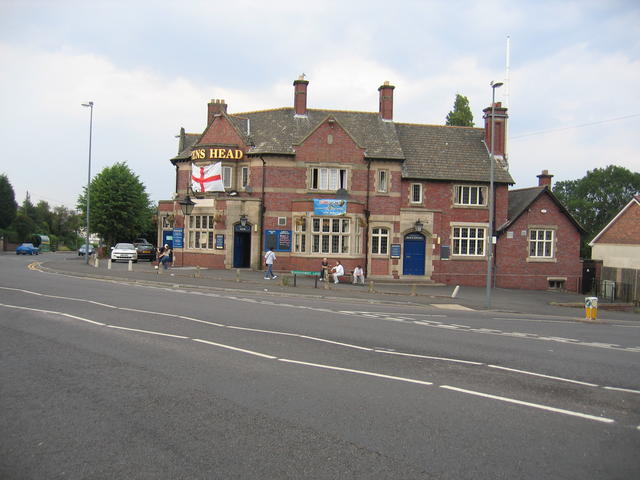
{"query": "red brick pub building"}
(404, 201)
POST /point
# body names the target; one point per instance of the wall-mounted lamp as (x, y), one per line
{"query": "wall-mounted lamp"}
(187, 205)
(418, 225)
(243, 220)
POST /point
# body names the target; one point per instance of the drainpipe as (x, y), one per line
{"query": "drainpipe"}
(367, 213)
(262, 209)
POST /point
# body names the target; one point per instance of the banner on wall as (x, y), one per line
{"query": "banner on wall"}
(328, 206)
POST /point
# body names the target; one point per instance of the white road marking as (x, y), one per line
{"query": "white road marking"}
(543, 376)
(415, 355)
(360, 372)
(229, 347)
(82, 319)
(529, 404)
(145, 331)
(617, 389)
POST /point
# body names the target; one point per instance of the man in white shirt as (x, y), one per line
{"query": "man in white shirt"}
(358, 275)
(338, 271)
(269, 258)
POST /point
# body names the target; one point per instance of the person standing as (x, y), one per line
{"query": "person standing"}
(324, 268)
(358, 275)
(338, 271)
(269, 258)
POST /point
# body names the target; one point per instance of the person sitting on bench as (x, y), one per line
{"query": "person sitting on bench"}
(338, 271)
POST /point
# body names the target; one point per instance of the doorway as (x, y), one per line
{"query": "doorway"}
(414, 253)
(242, 246)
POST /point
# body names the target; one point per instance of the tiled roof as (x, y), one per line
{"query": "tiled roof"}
(521, 199)
(428, 152)
(447, 153)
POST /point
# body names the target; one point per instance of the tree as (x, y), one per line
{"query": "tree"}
(119, 205)
(8, 205)
(25, 227)
(461, 115)
(597, 197)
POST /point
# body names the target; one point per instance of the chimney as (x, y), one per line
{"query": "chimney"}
(300, 96)
(215, 107)
(545, 179)
(386, 101)
(500, 126)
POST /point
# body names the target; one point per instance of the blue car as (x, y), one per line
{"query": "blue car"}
(27, 249)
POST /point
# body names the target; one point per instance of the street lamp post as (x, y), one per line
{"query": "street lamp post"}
(86, 247)
(186, 206)
(492, 161)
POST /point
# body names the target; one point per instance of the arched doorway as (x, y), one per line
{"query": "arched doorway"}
(414, 254)
(242, 246)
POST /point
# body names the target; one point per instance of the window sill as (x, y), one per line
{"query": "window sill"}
(475, 258)
(542, 260)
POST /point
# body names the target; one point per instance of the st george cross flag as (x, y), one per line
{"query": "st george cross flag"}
(207, 178)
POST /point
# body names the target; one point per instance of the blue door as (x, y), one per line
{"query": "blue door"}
(413, 262)
(242, 246)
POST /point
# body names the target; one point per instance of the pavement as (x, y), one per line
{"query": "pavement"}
(531, 302)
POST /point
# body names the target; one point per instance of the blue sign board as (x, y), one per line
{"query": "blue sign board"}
(395, 250)
(277, 240)
(178, 238)
(329, 206)
(219, 241)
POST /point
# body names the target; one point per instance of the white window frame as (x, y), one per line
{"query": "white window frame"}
(412, 192)
(466, 241)
(300, 235)
(227, 177)
(328, 178)
(542, 246)
(200, 233)
(470, 195)
(382, 184)
(331, 235)
(244, 177)
(380, 241)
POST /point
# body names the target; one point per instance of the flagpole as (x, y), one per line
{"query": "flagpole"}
(86, 246)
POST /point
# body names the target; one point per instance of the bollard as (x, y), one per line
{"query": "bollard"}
(455, 292)
(109, 264)
(413, 290)
(130, 266)
(96, 263)
(591, 308)
(327, 282)
(197, 274)
(371, 287)
(237, 275)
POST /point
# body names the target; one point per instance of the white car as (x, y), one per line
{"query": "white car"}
(124, 251)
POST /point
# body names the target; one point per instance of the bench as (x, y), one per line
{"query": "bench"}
(305, 273)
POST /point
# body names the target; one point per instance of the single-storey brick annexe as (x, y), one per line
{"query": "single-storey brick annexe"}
(404, 201)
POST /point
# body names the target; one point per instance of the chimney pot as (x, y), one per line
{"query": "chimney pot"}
(544, 179)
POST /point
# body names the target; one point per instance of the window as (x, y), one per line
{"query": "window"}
(541, 243)
(244, 177)
(227, 176)
(300, 235)
(468, 241)
(328, 178)
(416, 193)
(380, 241)
(469, 195)
(201, 231)
(383, 180)
(330, 235)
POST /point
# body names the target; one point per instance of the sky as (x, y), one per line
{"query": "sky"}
(152, 67)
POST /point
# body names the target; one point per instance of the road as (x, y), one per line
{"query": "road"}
(103, 379)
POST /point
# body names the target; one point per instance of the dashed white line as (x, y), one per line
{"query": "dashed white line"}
(145, 331)
(543, 376)
(428, 357)
(229, 347)
(82, 319)
(360, 372)
(617, 389)
(529, 404)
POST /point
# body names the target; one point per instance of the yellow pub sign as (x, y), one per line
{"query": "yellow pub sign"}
(217, 153)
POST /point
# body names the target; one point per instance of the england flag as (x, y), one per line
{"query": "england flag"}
(207, 178)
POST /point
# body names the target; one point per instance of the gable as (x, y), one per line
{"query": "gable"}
(221, 132)
(329, 142)
(624, 229)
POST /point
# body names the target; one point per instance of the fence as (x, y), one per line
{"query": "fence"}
(620, 285)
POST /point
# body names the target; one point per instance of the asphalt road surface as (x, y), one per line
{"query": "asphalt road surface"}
(103, 379)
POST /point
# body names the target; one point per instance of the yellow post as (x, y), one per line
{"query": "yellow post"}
(591, 308)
